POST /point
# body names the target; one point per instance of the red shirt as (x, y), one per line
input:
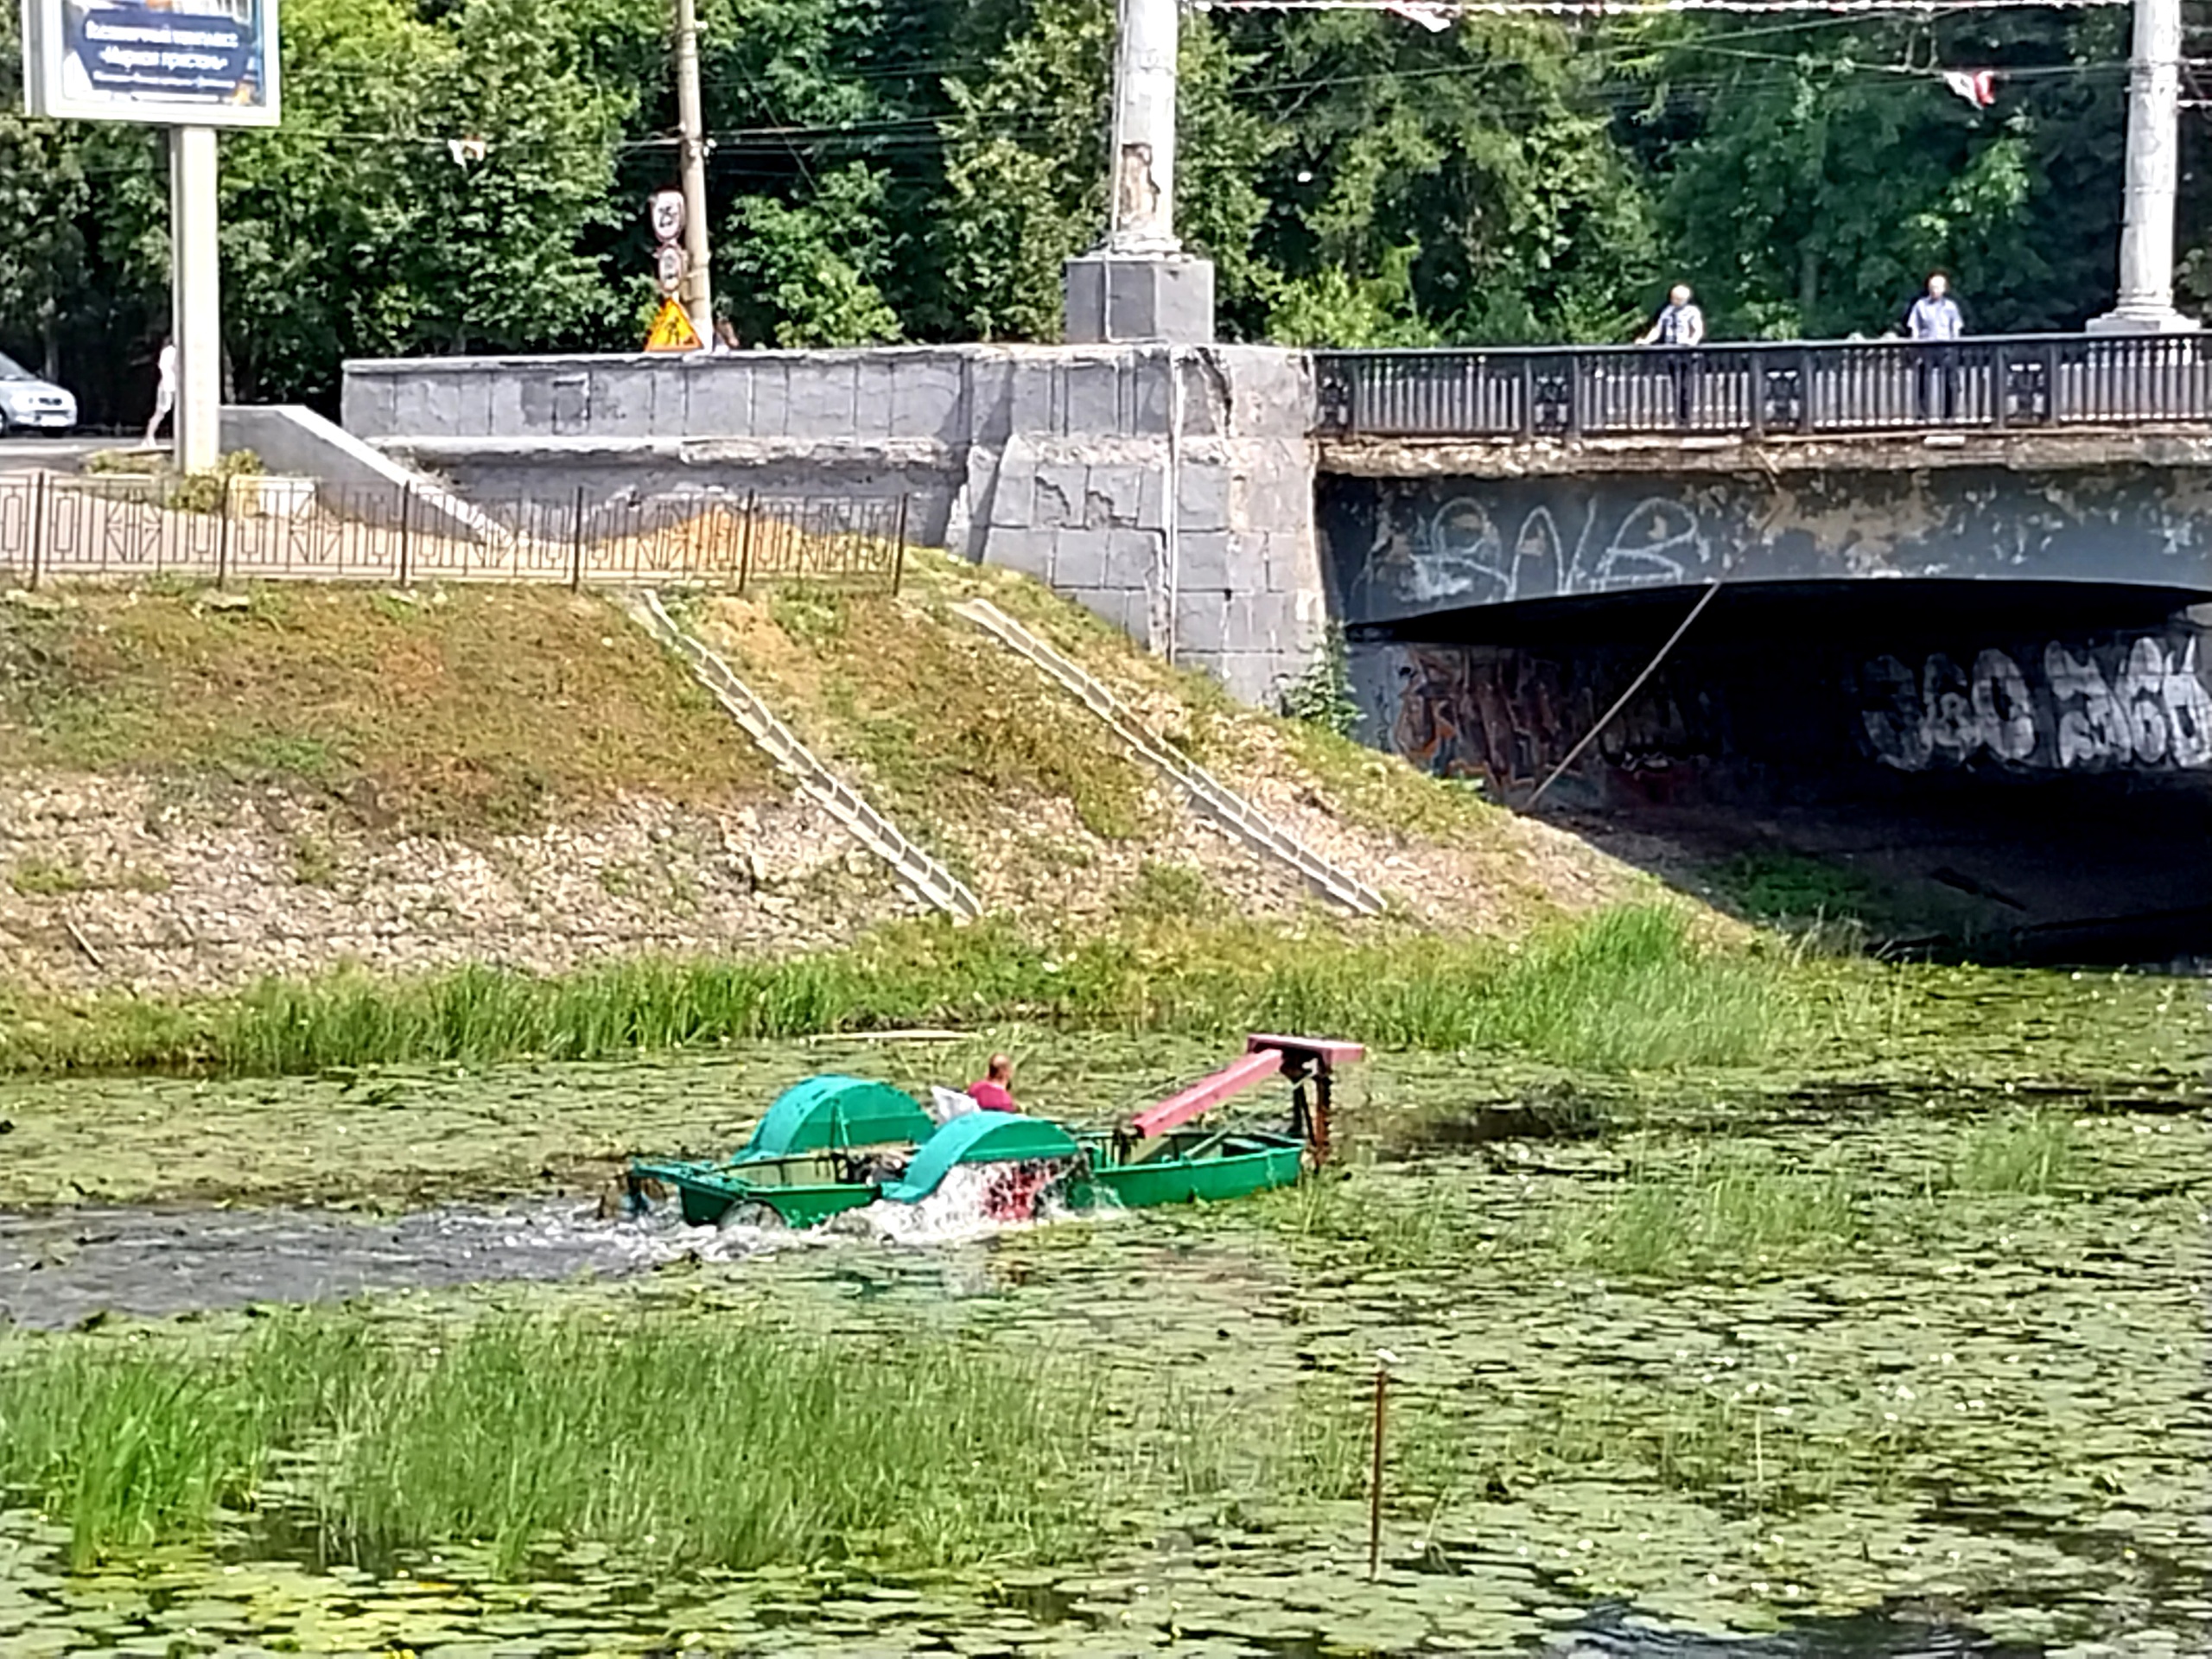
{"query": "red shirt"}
(992, 1097)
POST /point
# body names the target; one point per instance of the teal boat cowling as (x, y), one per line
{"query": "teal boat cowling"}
(979, 1138)
(833, 1112)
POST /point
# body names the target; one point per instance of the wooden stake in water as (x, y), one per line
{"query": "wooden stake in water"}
(1384, 1359)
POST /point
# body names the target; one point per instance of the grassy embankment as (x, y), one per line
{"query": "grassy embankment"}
(478, 712)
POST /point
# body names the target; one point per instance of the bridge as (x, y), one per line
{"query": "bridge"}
(1760, 390)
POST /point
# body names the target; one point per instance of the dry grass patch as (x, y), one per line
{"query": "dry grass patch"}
(952, 729)
(470, 710)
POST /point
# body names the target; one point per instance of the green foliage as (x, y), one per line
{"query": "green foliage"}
(1731, 1208)
(2029, 1155)
(1322, 694)
(918, 172)
(1628, 989)
(1814, 187)
(808, 275)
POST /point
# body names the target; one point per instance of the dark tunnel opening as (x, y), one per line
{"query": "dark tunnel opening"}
(2016, 771)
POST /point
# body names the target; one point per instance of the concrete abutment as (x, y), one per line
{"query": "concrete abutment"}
(1169, 489)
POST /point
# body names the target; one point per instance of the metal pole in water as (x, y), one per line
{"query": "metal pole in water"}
(1383, 1360)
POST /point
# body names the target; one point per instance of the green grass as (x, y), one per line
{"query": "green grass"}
(729, 1440)
(50, 878)
(1733, 1208)
(1628, 989)
(2028, 1153)
(480, 710)
(138, 1449)
(1356, 1216)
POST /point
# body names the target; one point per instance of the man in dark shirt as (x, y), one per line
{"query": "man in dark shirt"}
(995, 1092)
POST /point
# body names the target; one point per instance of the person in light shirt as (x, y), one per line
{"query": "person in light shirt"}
(1935, 322)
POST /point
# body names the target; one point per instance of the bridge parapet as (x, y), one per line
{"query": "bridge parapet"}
(1806, 388)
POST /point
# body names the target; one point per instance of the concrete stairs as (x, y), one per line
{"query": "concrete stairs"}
(922, 875)
(1207, 795)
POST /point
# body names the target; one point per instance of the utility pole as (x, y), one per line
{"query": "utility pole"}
(698, 278)
(2146, 237)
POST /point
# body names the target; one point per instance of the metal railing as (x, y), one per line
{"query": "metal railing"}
(2033, 382)
(108, 527)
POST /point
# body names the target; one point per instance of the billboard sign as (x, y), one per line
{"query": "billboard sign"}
(175, 63)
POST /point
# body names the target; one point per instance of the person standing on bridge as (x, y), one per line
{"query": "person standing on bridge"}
(1937, 325)
(1679, 326)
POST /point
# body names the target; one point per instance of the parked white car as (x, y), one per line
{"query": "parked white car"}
(30, 404)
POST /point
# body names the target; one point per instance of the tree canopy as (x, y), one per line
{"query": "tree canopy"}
(458, 176)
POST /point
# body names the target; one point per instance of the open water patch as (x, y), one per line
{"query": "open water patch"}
(61, 1268)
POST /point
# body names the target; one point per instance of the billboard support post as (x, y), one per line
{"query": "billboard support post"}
(196, 298)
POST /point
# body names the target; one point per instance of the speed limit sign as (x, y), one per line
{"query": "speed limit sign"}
(667, 215)
(668, 267)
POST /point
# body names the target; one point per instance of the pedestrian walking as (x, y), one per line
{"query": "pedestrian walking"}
(1935, 325)
(164, 389)
(1679, 327)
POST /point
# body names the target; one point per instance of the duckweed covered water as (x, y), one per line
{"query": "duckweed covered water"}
(1903, 1364)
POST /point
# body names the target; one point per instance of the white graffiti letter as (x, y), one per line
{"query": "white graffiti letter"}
(1894, 726)
(1946, 706)
(2001, 707)
(2142, 694)
(2189, 713)
(2099, 729)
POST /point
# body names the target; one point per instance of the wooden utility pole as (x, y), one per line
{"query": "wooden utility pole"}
(698, 289)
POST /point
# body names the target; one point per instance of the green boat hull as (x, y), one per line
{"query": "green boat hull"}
(799, 1192)
(1213, 1170)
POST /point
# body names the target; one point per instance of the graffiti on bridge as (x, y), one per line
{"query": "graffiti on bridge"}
(1456, 554)
(1507, 717)
(2137, 702)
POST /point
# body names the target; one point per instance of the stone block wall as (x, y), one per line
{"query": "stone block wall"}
(1170, 490)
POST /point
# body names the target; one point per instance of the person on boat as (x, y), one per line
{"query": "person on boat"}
(995, 1093)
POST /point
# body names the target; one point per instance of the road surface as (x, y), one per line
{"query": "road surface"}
(55, 455)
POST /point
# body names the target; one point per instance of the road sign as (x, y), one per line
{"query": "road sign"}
(667, 215)
(668, 267)
(672, 331)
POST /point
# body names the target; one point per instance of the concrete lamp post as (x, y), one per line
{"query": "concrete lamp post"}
(2146, 237)
(1139, 285)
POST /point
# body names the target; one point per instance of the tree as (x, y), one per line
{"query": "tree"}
(1482, 150)
(808, 275)
(1831, 171)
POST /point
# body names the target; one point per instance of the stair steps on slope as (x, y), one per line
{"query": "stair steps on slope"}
(922, 874)
(1207, 795)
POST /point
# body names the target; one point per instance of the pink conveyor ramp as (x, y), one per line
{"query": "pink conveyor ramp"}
(1264, 1058)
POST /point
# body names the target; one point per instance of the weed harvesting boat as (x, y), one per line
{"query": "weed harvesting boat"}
(834, 1143)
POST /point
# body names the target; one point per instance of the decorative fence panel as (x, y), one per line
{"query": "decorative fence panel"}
(108, 527)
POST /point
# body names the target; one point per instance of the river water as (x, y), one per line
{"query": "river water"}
(1977, 1424)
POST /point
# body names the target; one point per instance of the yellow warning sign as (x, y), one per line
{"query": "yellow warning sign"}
(672, 331)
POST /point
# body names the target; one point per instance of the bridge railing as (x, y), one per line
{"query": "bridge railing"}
(1999, 383)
